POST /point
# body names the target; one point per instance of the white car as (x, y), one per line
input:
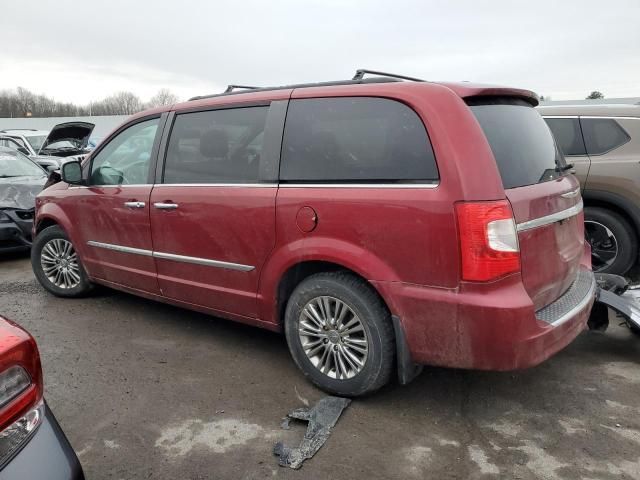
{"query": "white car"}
(68, 140)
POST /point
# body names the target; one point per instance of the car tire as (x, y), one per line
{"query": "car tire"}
(363, 323)
(56, 264)
(626, 242)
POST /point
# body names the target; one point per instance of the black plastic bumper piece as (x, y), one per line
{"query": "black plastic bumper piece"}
(46, 456)
(614, 293)
(407, 370)
(15, 234)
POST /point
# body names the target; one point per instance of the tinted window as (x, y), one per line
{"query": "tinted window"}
(521, 141)
(568, 135)
(602, 135)
(125, 159)
(355, 139)
(216, 146)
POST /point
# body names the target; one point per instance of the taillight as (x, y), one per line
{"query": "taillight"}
(488, 240)
(21, 403)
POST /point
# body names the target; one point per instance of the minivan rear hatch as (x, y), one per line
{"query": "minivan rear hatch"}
(545, 198)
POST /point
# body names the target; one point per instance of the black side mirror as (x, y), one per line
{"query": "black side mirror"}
(72, 173)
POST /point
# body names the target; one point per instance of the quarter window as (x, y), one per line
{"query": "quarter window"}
(601, 135)
(357, 139)
(216, 146)
(125, 159)
(568, 135)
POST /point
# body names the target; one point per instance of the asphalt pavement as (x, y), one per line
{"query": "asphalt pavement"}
(148, 391)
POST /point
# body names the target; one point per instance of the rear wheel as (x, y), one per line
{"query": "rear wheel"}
(340, 334)
(614, 244)
(56, 264)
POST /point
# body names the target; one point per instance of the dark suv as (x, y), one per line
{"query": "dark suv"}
(603, 144)
(380, 223)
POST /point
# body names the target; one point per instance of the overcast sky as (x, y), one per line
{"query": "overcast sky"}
(85, 50)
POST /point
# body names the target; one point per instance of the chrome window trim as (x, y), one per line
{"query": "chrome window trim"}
(589, 116)
(578, 307)
(246, 185)
(113, 186)
(171, 256)
(359, 185)
(303, 185)
(613, 118)
(272, 185)
(120, 248)
(553, 218)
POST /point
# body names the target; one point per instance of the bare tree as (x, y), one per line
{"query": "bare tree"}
(162, 98)
(127, 103)
(22, 102)
(26, 101)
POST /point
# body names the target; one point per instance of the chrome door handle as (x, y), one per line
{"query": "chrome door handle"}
(134, 204)
(166, 206)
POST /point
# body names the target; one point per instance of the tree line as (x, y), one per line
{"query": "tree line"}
(24, 103)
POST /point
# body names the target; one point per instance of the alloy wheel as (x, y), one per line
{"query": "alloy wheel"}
(60, 263)
(604, 246)
(333, 337)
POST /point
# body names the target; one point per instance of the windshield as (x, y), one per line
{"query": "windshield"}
(14, 164)
(521, 141)
(64, 144)
(36, 141)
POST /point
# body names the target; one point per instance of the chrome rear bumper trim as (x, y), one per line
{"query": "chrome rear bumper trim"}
(553, 218)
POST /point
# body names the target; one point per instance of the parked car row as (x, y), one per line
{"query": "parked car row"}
(69, 140)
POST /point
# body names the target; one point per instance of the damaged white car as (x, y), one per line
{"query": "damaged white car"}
(69, 140)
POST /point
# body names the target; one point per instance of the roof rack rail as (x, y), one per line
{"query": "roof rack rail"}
(361, 72)
(380, 77)
(231, 88)
(18, 129)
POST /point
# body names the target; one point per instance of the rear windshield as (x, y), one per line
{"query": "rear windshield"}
(521, 141)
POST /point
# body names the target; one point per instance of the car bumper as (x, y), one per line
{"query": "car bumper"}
(487, 327)
(46, 455)
(15, 234)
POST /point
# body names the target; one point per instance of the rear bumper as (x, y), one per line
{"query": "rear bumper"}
(46, 455)
(488, 327)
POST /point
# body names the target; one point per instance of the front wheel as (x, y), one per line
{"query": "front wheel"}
(340, 334)
(56, 264)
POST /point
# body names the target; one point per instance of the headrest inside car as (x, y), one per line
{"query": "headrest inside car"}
(214, 143)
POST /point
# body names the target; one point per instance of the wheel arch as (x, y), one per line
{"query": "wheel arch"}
(298, 272)
(615, 203)
(297, 260)
(45, 222)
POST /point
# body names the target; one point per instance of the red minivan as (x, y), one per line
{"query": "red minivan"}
(381, 223)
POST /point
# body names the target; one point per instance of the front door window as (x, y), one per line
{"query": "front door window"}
(125, 160)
